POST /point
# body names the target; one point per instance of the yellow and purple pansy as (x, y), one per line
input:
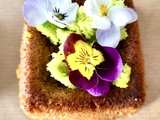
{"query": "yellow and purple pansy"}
(91, 68)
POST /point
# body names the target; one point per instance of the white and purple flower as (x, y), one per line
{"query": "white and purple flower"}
(108, 20)
(58, 12)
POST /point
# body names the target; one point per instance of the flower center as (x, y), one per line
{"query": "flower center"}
(88, 61)
(103, 10)
(85, 59)
(59, 16)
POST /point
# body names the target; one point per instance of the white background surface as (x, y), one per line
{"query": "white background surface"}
(11, 23)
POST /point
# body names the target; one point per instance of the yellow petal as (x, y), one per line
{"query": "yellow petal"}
(73, 63)
(83, 48)
(87, 71)
(97, 57)
(84, 59)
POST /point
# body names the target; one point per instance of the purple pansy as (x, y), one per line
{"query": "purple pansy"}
(104, 73)
(58, 12)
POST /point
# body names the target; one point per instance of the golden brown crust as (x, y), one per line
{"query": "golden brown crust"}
(43, 98)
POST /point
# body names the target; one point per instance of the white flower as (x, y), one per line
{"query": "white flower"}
(104, 14)
(108, 20)
(58, 12)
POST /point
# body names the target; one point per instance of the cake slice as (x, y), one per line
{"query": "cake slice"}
(43, 98)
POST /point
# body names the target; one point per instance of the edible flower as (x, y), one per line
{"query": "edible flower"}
(58, 12)
(91, 68)
(109, 19)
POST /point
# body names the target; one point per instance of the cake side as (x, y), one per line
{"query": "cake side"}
(44, 98)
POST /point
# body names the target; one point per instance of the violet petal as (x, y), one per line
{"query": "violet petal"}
(82, 82)
(109, 62)
(35, 12)
(119, 15)
(112, 73)
(133, 15)
(112, 67)
(109, 37)
(101, 89)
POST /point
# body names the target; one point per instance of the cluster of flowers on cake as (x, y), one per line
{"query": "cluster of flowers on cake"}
(91, 66)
